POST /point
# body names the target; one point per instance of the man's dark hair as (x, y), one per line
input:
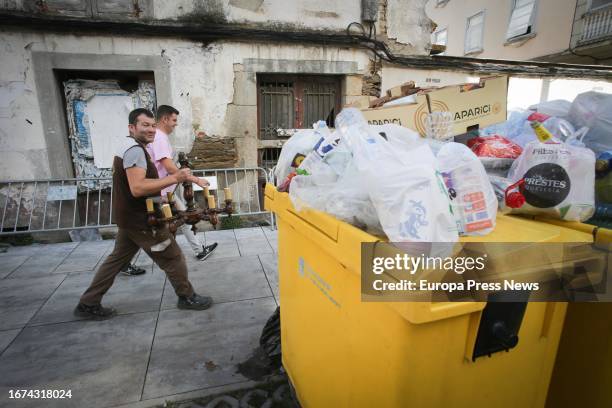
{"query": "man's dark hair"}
(165, 110)
(133, 117)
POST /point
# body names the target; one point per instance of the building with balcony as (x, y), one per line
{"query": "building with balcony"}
(573, 31)
(563, 31)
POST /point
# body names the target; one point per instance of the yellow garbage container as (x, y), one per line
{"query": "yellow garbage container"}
(341, 352)
(582, 375)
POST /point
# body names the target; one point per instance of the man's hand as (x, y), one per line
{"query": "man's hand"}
(200, 182)
(182, 175)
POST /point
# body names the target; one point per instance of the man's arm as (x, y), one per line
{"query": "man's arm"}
(172, 169)
(140, 186)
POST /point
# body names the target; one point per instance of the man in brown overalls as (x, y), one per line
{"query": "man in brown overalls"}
(134, 179)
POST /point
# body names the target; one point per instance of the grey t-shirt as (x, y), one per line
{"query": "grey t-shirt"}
(134, 156)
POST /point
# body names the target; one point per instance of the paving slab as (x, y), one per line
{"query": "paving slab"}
(226, 280)
(228, 246)
(129, 294)
(220, 236)
(198, 349)
(103, 363)
(9, 263)
(85, 257)
(269, 262)
(20, 298)
(242, 233)
(252, 241)
(23, 250)
(45, 262)
(6, 337)
(272, 236)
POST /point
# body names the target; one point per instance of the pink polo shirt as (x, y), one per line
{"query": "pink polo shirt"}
(158, 150)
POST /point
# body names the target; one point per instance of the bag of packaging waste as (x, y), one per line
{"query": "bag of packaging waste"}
(495, 152)
(349, 201)
(401, 176)
(473, 201)
(603, 180)
(518, 127)
(594, 110)
(555, 179)
(311, 186)
(295, 150)
(328, 181)
(315, 176)
(500, 186)
(557, 107)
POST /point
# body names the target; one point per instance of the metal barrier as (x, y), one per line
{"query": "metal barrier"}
(66, 204)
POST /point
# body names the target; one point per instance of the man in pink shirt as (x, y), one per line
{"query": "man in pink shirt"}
(162, 155)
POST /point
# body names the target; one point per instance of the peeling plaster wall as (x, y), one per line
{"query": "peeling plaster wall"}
(213, 86)
(23, 152)
(317, 14)
(408, 23)
(22, 143)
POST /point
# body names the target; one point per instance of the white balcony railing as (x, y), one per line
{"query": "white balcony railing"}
(597, 24)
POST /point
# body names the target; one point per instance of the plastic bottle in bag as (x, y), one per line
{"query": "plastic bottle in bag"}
(473, 200)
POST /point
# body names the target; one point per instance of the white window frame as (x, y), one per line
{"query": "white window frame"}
(532, 23)
(598, 8)
(434, 35)
(467, 26)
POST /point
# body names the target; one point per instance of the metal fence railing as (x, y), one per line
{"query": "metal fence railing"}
(74, 203)
(597, 25)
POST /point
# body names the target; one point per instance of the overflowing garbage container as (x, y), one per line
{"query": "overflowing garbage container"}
(342, 352)
(425, 167)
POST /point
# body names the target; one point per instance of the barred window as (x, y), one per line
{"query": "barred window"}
(296, 102)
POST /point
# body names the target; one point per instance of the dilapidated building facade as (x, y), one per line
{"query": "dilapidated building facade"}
(237, 70)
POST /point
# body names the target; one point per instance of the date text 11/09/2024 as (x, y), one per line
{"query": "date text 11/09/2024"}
(40, 394)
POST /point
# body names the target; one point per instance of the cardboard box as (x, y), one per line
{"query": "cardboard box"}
(472, 105)
(404, 89)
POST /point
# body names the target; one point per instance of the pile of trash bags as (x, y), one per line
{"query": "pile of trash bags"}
(553, 159)
(556, 178)
(387, 180)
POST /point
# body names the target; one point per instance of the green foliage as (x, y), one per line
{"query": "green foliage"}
(231, 222)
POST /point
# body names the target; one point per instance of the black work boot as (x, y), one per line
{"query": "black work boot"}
(194, 302)
(95, 312)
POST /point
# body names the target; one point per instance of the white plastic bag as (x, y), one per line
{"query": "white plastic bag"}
(472, 198)
(301, 143)
(558, 107)
(558, 180)
(401, 177)
(335, 187)
(594, 110)
(349, 201)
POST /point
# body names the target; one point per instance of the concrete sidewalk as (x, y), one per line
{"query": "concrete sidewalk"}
(151, 349)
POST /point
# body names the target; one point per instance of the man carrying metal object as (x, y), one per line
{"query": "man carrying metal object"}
(163, 156)
(134, 179)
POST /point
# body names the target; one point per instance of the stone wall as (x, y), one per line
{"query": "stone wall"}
(213, 153)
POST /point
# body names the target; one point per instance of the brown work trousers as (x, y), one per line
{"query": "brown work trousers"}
(127, 243)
